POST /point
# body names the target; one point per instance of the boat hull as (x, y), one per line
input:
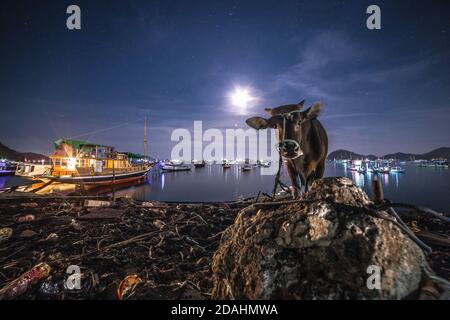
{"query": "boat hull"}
(102, 180)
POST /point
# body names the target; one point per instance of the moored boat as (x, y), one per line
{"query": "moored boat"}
(381, 169)
(32, 170)
(173, 168)
(91, 165)
(6, 168)
(199, 164)
(226, 166)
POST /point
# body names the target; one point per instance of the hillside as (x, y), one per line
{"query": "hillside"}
(13, 155)
(443, 152)
(345, 154)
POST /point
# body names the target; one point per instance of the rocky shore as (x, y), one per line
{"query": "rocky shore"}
(315, 248)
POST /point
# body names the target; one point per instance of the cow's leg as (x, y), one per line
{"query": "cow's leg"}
(293, 175)
(308, 179)
(320, 169)
(303, 181)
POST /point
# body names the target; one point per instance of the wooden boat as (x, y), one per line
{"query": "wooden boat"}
(32, 170)
(89, 164)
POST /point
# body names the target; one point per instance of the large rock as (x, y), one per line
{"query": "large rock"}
(326, 247)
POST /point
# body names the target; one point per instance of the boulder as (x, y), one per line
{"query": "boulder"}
(326, 246)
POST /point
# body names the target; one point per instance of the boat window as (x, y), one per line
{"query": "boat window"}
(32, 169)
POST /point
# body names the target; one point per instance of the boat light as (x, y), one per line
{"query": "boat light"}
(71, 163)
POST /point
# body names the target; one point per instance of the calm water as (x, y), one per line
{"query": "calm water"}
(422, 186)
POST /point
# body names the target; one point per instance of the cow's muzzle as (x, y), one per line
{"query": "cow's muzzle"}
(289, 149)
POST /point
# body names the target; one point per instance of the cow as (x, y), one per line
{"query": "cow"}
(303, 142)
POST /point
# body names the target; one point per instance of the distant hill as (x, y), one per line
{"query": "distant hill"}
(443, 152)
(14, 155)
(345, 154)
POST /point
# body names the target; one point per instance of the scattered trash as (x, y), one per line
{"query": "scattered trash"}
(159, 224)
(5, 233)
(25, 281)
(25, 218)
(75, 225)
(52, 237)
(98, 203)
(147, 204)
(27, 233)
(128, 285)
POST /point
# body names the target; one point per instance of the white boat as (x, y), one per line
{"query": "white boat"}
(397, 170)
(172, 168)
(32, 170)
(381, 169)
(265, 164)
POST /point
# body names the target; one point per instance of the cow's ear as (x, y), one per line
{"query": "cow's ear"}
(313, 111)
(301, 104)
(257, 123)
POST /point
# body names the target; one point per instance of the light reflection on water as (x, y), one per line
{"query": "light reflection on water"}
(422, 186)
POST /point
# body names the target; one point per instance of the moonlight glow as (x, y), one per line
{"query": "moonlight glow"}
(241, 99)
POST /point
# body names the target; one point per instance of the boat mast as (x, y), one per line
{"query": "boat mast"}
(145, 138)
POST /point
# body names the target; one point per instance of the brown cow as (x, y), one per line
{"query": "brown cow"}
(303, 142)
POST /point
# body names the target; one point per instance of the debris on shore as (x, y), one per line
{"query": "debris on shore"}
(167, 246)
(127, 249)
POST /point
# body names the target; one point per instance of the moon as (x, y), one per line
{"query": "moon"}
(241, 99)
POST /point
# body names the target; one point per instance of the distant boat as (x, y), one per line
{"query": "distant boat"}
(353, 168)
(397, 170)
(362, 170)
(226, 166)
(173, 168)
(6, 168)
(265, 164)
(381, 169)
(246, 168)
(199, 164)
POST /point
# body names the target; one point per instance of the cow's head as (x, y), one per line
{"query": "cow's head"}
(288, 120)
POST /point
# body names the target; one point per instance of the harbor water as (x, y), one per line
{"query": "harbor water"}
(418, 185)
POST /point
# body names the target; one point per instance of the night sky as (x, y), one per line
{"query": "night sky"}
(177, 61)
